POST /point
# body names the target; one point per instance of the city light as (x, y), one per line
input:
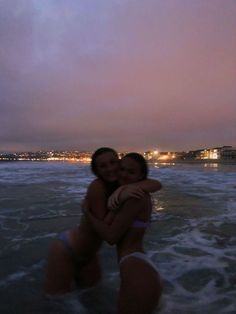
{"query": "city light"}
(224, 153)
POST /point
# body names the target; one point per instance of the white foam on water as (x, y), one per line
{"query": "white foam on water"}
(198, 246)
(34, 238)
(12, 224)
(98, 299)
(20, 274)
(13, 277)
(187, 245)
(68, 303)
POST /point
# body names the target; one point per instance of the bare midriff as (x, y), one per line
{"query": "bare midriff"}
(131, 242)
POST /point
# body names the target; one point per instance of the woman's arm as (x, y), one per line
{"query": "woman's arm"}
(122, 221)
(149, 185)
(109, 217)
(96, 199)
(134, 190)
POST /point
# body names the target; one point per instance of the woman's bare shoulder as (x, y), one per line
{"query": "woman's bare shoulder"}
(96, 186)
(96, 183)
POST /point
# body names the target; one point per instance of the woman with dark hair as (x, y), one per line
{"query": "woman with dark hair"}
(140, 287)
(73, 256)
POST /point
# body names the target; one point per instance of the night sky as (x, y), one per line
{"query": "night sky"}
(130, 74)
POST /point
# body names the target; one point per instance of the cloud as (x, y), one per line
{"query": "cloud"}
(130, 73)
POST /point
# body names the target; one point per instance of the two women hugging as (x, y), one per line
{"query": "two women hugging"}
(117, 209)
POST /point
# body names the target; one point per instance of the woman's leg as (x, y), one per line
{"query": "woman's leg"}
(70, 263)
(140, 288)
(60, 272)
(89, 274)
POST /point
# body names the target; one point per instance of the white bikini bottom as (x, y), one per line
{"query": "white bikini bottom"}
(141, 256)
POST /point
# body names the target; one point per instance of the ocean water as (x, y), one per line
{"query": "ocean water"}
(192, 238)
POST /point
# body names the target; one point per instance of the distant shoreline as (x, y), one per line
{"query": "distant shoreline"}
(161, 162)
(202, 161)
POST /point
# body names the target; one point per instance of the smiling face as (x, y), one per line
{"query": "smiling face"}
(130, 171)
(107, 166)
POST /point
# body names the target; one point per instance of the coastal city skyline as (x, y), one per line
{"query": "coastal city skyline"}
(133, 75)
(214, 154)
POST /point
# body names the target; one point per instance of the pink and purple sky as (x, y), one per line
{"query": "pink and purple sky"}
(130, 74)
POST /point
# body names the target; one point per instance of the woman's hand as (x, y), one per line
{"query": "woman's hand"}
(122, 194)
(114, 199)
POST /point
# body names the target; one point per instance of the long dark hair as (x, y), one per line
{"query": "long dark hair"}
(99, 152)
(141, 161)
(110, 186)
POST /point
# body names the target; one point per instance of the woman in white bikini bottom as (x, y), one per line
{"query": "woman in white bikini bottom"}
(141, 256)
(140, 284)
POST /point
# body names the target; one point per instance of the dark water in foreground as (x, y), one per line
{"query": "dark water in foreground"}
(192, 239)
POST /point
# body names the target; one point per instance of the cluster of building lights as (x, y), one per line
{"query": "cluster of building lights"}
(159, 156)
(218, 153)
(74, 156)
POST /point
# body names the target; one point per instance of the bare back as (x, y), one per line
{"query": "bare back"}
(132, 240)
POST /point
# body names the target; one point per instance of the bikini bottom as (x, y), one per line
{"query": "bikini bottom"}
(65, 238)
(144, 258)
(141, 256)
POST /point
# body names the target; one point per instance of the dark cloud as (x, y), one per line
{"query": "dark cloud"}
(131, 74)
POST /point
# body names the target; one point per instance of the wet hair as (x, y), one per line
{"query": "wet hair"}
(99, 152)
(141, 161)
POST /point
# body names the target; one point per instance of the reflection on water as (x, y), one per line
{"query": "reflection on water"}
(211, 165)
(166, 164)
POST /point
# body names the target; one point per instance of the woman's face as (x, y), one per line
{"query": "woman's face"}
(107, 167)
(130, 171)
